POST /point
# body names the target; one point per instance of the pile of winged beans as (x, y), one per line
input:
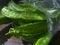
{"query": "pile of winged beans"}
(30, 23)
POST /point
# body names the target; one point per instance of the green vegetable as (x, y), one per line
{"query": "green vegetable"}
(43, 40)
(4, 20)
(30, 15)
(25, 21)
(20, 7)
(30, 30)
(15, 7)
(31, 22)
